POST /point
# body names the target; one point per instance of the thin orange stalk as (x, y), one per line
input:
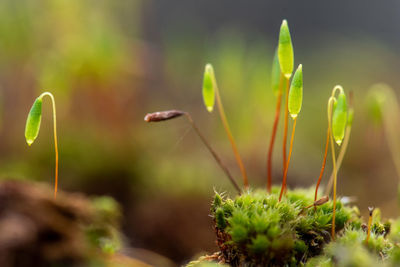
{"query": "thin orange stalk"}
(343, 149)
(323, 163)
(288, 160)
(371, 211)
(286, 124)
(330, 107)
(55, 140)
(340, 158)
(230, 137)
(274, 130)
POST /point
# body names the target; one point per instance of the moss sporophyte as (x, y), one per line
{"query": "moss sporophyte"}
(33, 126)
(280, 226)
(211, 91)
(286, 62)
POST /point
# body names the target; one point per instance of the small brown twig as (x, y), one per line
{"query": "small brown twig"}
(171, 114)
(316, 203)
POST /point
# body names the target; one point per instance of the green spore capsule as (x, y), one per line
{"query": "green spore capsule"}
(285, 50)
(208, 88)
(276, 74)
(296, 93)
(33, 121)
(350, 117)
(339, 119)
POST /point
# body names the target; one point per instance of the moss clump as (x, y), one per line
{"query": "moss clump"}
(255, 229)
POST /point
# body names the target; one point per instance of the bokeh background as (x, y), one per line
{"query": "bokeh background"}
(108, 63)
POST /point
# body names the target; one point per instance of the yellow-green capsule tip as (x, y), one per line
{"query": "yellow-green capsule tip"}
(208, 87)
(339, 118)
(295, 97)
(32, 126)
(285, 50)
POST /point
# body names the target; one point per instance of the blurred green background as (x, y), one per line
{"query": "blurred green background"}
(108, 63)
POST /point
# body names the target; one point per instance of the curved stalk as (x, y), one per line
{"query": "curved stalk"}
(330, 110)
(273, 135)
(340, 158)
(229, 133)
(344, 145)
(288, 160)
(55, 139)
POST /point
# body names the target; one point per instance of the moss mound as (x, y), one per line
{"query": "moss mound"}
(255, 229)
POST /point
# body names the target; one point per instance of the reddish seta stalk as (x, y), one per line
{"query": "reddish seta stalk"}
(323, 164)
(288, 160)
(285, 129)
(273, 135)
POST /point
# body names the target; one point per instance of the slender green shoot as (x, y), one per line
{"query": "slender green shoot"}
(210, 88)
(286, 62)
(277, 83)
(33, 126)
(337, 119)
(171, 114)
(331, 103)
(343, 147)
(294, 107)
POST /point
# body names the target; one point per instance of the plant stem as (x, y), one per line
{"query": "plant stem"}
(330, 107)
(274, 130)
(286, 124)
(212, 151)
(55, 139)
(343, 148)
(323, 162)
(230, 137)
(288, 160)
(371, 211)
(340, 158)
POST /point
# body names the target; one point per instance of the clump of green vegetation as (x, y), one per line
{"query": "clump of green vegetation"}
(256, 229)
(300, 227)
